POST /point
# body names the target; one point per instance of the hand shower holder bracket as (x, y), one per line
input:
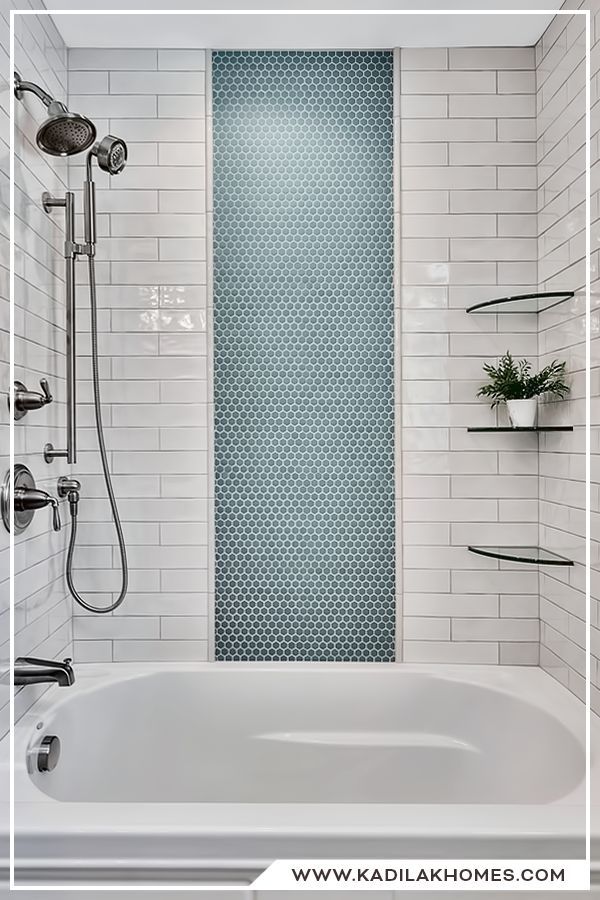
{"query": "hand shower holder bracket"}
(72, 248)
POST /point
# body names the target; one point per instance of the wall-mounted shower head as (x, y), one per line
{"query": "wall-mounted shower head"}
(111, 153)
(63, 133)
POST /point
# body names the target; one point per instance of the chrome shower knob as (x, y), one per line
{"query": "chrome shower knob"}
(26, 400)
(27, 498)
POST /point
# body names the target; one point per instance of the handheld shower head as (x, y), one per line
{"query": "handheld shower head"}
(111, 153)
(63, 133)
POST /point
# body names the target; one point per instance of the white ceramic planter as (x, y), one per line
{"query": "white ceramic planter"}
(522, 413)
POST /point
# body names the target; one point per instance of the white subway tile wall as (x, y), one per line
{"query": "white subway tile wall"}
(469, 228)
(42, 608)
(154, 341)
(492, 203)
(560, 57)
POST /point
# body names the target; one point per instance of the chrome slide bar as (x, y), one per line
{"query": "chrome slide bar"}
(70, 253)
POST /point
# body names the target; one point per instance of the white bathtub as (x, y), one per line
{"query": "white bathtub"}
(196, 774)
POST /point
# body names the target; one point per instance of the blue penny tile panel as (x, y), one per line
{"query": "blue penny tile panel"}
(303, 330)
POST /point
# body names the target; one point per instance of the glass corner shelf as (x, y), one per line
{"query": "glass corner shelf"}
(522, 303)
(535, 556)
(507, 428)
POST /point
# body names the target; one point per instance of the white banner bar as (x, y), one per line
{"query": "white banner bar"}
(425, 875)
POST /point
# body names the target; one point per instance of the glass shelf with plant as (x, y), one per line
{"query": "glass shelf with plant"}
(512, 382)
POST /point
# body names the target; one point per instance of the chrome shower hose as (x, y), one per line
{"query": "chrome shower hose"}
(107, 476)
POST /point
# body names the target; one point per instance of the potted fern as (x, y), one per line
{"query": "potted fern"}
(513, 383)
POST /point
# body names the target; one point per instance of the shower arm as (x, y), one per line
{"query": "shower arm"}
(22, 87)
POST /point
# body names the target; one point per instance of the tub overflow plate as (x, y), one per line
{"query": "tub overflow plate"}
(48, 753)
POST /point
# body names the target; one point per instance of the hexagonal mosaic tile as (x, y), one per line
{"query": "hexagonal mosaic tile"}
(303, 327)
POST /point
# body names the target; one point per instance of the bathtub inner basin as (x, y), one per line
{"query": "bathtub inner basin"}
(251, 734)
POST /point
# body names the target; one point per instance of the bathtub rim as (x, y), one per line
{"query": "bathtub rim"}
(524, 682)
